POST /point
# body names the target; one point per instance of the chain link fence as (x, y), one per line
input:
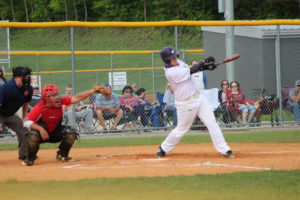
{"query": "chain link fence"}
(266, 70)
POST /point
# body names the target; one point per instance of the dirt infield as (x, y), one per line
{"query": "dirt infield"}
(131, 161)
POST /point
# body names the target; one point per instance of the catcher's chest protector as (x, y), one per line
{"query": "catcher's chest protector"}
(51, 116)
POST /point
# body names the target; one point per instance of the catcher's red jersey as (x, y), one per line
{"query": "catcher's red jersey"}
(51, 116)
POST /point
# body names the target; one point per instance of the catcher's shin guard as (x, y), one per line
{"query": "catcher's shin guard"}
(33, 145)
(69, 136)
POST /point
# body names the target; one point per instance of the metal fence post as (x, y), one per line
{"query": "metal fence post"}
(37, 71)
(112, 71)
(73, 73)
(278, 73)
(153, 80)
(176, 38)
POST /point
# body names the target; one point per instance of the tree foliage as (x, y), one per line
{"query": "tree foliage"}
(141, 10)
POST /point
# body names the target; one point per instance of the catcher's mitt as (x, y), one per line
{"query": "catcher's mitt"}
(99, 88)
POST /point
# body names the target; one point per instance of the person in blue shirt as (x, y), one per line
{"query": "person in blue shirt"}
(14, 94)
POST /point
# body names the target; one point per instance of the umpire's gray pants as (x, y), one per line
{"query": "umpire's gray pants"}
(86, 114)
(15, 123)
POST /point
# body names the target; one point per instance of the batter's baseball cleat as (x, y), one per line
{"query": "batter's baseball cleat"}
(27, 162)
(62, 158)
(229, 154)
(160, 153)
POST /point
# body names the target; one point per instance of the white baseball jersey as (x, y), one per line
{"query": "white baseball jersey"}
(180, 80)
(198, 80)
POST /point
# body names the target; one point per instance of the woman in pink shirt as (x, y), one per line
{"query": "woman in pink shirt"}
(239, 101)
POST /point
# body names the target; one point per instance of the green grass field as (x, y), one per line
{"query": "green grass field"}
(270, 185)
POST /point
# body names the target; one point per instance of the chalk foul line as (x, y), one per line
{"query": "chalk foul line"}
(207, 163)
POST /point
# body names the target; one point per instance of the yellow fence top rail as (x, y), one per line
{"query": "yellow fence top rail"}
(37, 53)
(94, 70)
(148, 24)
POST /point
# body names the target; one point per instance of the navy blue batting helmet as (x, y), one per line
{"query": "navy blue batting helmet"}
(167, 54)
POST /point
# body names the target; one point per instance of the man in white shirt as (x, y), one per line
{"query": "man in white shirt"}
(169, 100)
(189, 102)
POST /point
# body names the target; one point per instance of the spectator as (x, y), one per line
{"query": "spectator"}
(2, 78)
(294, 99)
(108, 107)
(228, 116)
(132, 104)
(36, 97)
(133, 86)
(2, 82)
(169, 100)
(239, 101)
(199, 78)
(81, 112)
(141, 93)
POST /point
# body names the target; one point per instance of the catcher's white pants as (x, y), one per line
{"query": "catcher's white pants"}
(186, 113)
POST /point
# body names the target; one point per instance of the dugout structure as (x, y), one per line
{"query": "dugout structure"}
(256, 67)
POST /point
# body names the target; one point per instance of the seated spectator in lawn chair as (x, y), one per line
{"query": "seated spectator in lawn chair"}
(134, 89)
(107, 106)
(36, 97)
(45, 123)
(228, 116)
(294, 100)
(141, 93)
(238, 103)
(3, 129)
(169, 108)
(133, 105)
(82, 112)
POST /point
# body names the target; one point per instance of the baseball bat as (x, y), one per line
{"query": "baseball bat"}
(229, 59)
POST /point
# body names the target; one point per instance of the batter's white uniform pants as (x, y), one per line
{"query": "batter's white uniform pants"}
(186, 113)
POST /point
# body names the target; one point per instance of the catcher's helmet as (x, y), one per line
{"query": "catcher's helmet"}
(167, 54)
(49, 90)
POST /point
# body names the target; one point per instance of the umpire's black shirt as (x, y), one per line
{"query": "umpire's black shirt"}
(12, 97)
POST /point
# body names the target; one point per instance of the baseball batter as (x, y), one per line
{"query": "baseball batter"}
(189, 103)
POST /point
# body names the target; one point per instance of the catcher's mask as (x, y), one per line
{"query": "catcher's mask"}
(23, 72)
(167, 54)
(50, 95)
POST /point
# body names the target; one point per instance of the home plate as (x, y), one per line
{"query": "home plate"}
(155, 159)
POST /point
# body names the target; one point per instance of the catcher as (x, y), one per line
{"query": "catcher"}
(45, 122)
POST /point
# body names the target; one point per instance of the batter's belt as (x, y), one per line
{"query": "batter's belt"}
(195, 96)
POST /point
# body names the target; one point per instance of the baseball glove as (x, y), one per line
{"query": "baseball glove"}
(99, 88)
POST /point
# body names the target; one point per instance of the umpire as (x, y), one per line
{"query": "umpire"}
(14, 94)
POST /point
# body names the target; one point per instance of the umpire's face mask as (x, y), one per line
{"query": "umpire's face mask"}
(26, 77)
(26, 80)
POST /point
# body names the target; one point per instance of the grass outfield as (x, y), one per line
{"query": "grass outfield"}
(274, 184)
(268, 185)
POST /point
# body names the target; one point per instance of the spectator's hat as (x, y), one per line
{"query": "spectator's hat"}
(108, 86)
(297, 83)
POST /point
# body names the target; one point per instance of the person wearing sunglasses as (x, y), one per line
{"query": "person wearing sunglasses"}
(228, 116)
(238, 101)
(294, 99)
(133, 104)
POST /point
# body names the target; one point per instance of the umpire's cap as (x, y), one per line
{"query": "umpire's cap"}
(21, 71)
(167, 54)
